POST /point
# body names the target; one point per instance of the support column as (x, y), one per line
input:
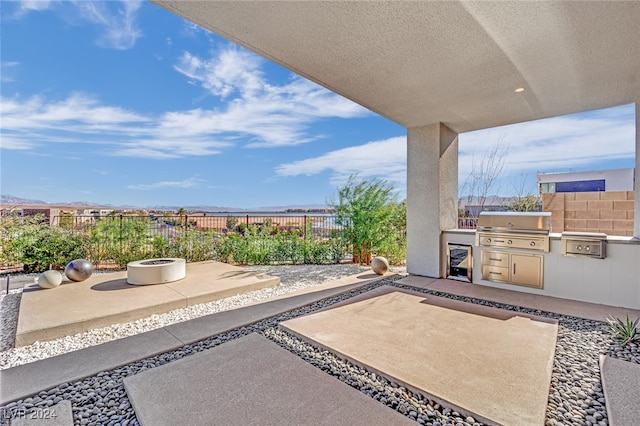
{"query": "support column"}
(432, 195)
(636, 183)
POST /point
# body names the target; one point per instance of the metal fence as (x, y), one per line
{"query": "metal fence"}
(111, 241)
(171, 225)
(465, 222)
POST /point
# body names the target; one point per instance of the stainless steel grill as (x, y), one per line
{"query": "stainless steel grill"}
(518, 230)
(507, 240)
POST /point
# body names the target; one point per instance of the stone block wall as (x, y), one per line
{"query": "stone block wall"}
(608, 212)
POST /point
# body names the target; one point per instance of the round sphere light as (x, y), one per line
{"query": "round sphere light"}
(379, 265)
(79, 270)
(50, 279)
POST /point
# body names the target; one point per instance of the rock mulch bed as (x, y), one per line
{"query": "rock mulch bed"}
(575, 395)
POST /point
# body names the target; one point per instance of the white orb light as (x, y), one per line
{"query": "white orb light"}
(78, 270)
(50, 279)
(379, 265)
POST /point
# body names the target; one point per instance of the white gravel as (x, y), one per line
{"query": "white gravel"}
(292, 278)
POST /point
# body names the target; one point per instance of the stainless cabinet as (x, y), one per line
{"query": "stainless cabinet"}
(513, 268)
(526, 269)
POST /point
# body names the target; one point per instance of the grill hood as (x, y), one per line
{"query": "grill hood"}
(523, 222)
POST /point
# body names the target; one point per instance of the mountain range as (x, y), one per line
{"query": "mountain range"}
(11, 200)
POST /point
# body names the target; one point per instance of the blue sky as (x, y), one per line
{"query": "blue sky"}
(127, 104)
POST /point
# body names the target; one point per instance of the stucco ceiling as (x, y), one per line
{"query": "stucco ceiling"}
(458, 63)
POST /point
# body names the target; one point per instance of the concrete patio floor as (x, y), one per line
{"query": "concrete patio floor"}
(28, 379)
(492, 364)
(106, 299)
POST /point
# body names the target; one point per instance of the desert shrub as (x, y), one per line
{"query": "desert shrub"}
(193, 245)
(626, 331)
(120, 240)
(32, 242)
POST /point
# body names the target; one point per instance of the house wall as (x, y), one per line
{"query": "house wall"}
(609, 212)
(615, 180)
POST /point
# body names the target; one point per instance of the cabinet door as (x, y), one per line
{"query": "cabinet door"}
(526, 269)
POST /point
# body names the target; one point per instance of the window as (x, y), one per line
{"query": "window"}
(548, 188)
(581, 186)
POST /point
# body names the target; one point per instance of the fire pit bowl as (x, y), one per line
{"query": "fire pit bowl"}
(156, 271)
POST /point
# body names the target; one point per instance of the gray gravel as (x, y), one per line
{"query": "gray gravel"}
(575, 395)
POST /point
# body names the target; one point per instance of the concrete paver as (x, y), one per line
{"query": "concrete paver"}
(106, 299)
(493, 364)
(620, 383)
(250, 380)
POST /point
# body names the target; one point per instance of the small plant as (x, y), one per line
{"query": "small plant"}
(626, 331)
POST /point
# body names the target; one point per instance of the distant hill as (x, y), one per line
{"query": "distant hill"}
(13, 200)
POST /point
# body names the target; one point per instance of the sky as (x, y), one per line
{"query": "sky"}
(125, 103)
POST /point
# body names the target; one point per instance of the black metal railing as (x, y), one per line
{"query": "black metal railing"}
(112, 241)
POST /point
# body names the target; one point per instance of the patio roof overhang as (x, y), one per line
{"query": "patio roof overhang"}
(456, 63)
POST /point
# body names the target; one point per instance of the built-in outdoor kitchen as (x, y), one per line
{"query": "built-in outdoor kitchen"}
(519, 251)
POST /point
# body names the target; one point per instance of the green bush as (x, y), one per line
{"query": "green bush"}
(34, 243)
(121, 239)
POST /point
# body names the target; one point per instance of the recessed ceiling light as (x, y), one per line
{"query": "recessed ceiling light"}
(519, 90)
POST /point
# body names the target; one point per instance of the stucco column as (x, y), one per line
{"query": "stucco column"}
(432, 195)
(636, 204)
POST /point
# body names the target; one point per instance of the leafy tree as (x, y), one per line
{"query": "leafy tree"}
(524, 201)
(363, 209)
(527, 203)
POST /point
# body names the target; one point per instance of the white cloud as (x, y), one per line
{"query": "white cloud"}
(559, 143)
(120, 29)
(26, 6)
(385, 159)
(267, 114)
(256, 114)
(187, 183)
(36, 122)
(10, 142)
(78, 119)
(118, 23)
(6, 71)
